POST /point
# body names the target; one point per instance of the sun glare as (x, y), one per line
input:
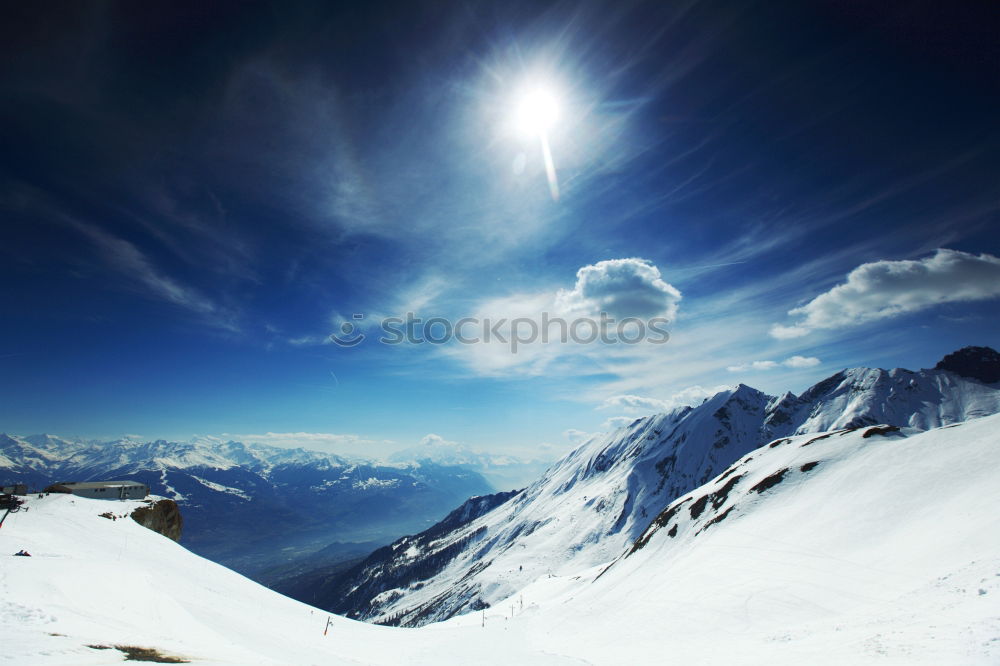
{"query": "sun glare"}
(537, 111)
(535, 116)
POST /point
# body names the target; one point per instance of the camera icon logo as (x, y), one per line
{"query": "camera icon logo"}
(349, 335)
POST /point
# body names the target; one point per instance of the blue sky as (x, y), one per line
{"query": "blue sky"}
(194, 198)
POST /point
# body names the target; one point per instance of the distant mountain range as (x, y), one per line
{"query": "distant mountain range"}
(257, 508)
(595, 503)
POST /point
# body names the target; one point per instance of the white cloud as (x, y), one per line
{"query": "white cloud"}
(623, 288)
(532, 332)
(309, 340)
(801, 361)
(693, 395)
(788, 332)
(124, 257)
(350, 445)
(883, 289)
(577, 436)
(436, 448)
(430, 440)
(616, 422)
(636, 403)
(790, 362)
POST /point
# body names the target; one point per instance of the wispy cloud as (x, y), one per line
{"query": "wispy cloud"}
(577, 436)
(126, 259)
(790, 362)
(340, 444)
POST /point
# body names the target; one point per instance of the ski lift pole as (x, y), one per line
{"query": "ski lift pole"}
(13, 505)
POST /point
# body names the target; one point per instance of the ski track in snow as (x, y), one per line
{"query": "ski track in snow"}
(174, 495)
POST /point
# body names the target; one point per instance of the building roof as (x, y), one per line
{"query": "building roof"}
(101, 484)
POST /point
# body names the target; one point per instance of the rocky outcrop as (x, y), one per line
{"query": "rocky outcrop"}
(163, 516)
(982, 363)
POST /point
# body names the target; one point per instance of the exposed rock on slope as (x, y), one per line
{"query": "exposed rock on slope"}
(163, 516)
(980, 363)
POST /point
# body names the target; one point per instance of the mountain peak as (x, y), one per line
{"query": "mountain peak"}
(982, 363)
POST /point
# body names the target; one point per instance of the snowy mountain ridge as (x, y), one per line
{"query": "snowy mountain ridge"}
(595, 502)
(770, 562)
(45, 452)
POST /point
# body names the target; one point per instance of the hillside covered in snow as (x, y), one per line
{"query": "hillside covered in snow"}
(595, 502)
(861, 545)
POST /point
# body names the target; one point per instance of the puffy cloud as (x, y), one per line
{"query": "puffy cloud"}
(531, 332)
(790, 362)
(801, 361)
(883, 289)
(431, 440)
(622, 288)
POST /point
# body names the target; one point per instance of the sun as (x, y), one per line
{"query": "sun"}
(537, 111)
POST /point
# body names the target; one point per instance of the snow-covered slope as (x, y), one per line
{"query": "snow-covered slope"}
(869, 545)
(596, 501)
(886, 551)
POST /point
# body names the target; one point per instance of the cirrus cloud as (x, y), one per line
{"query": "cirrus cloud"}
(340, 444)
(577, 436)
(634, 403)
(790, 362)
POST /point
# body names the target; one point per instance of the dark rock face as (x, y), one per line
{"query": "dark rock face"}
(982, 363)
(163, 516)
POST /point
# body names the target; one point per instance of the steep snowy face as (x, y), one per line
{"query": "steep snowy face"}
(869, 545)
(402, 563)
(597, 500)
(585, 509)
